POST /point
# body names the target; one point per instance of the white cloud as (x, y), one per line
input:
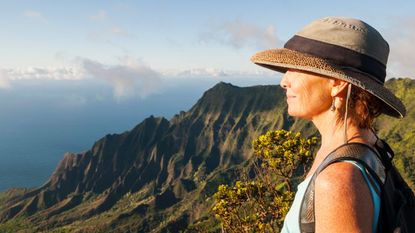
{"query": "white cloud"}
(206, 72)
(402, 50)
(34, 15)
(52, 73)
(214, 72)
(239, 34)
(130, 78)
(4, 80)
(101, 15)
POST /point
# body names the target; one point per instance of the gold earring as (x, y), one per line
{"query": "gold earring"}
(333, 106)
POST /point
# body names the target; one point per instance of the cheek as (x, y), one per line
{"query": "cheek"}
(318, 94)
(311, 102)
(312, 97)
(320, 102)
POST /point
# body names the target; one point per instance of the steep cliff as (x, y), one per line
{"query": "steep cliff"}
(160, 175)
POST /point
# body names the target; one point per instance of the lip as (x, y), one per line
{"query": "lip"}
(290, 96)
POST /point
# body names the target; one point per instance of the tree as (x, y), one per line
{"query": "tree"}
(260, 204)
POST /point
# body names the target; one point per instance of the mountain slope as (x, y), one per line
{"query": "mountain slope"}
(159, 176)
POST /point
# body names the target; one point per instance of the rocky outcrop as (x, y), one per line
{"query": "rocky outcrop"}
(163, 160)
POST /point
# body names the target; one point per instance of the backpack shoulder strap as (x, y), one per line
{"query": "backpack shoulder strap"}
(359, 152)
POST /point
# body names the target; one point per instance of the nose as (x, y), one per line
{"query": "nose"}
(284, 81)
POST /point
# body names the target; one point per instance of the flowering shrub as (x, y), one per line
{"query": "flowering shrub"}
(260, 205)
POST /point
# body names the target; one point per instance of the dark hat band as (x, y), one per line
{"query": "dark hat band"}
(339, 55)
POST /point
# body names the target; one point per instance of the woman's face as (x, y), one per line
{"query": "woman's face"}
(308, 95)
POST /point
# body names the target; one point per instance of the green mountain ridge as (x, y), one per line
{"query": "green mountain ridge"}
(161, 175)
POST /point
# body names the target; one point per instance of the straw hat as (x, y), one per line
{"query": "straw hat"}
(342, 48)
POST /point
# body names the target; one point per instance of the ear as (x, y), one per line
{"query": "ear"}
(338, 88)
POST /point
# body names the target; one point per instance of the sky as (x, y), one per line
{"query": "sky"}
(133, 45)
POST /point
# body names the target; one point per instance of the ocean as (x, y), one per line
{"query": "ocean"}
(41, 120)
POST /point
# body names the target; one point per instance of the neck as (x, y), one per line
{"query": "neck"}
(333, 137)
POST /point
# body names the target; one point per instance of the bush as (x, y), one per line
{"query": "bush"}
(260, 204)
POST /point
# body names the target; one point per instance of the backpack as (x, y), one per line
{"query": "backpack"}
(397, 210)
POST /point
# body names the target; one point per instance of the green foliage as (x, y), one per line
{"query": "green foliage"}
(278, 166)
(283, 152)
(17, 225)
(399, 133)
(260, 204)
(10, 194)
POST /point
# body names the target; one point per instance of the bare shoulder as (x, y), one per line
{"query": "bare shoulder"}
(342, 200)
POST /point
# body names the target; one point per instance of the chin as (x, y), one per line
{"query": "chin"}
(299, 114)
(293, 111)
(293, 114)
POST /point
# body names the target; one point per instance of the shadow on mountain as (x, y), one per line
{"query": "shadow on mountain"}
(159, 176)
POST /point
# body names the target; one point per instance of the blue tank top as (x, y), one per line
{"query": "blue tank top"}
(291, 222)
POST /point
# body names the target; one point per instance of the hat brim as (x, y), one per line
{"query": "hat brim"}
(283, 59)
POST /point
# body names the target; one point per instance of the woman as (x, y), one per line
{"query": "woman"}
(335, 69)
